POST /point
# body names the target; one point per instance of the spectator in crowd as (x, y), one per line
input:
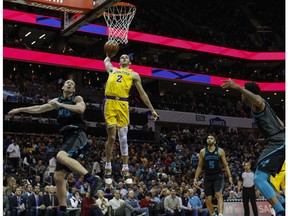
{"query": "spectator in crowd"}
(14, 153)
(185, 211)
(79, 183)
(195, 205)
(36, 203)
(37, 181)
(71, 182)
(203, 201)
(122, 190)
(232, 196)
(18, 203)
(103, 203)
(96, 170)
(76, 199)
(29, 160)
(118, 205)
(6, 204)
(134, 203)
(51, 202)
(40, 168)
(146, 202)
(172, 204)
(28, 192)
(89, 207)
(52, 167)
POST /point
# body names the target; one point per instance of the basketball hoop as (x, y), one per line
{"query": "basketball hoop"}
(118, 18)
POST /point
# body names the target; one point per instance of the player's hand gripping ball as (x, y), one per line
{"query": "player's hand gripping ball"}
(111, 48)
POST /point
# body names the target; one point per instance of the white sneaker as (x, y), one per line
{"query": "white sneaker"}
(125, 173)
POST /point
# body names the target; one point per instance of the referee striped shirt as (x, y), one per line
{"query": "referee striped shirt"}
(248, 179)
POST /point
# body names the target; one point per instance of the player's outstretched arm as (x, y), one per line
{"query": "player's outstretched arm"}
(37, 109)
(79, 107)
(252, 98)
(108, 65)
(143, 95)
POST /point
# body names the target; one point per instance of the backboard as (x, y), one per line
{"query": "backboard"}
(75, 13)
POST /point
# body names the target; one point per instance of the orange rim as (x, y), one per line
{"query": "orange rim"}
(124, 4)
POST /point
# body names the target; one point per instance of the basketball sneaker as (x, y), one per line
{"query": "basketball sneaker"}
(125, 173)
(95, 184)
(108, 173)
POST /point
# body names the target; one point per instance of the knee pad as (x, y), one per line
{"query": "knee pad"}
(122, 134)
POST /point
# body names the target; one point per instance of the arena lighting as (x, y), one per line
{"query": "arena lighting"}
(43, 35)
(147, 38)
(92, 64)
(26, 35)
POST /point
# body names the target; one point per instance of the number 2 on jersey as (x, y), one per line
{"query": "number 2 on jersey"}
(119, 79)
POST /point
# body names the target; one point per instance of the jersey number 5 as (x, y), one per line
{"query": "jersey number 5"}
(119, 78)
(211, 164)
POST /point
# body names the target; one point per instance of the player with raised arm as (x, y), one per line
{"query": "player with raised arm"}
(210, 160)
(116, 109)
(70, 107)
(272, 128)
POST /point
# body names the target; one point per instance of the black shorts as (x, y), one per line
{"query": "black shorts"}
(271, 161)
(213, 183)
(75, 142)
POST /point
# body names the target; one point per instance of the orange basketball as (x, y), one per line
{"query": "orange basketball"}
(111, 48)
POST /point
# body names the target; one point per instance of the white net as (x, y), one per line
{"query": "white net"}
(118, 18)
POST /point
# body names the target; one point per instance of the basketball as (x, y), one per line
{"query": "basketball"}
(111, 48)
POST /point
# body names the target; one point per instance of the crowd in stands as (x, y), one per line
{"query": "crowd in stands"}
(157, 170)
(141, 55)
(38, 87)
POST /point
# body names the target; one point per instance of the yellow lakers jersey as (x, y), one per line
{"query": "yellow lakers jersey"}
(119, 83)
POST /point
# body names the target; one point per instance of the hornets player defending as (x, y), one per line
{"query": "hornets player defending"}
(116, 109)
(273, 156)
(210, 160)
(70, 107)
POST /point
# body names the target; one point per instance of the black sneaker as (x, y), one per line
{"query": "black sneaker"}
(95, 184)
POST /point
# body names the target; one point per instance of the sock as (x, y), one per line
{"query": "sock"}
(63, 208)
(125, 166)
(281, 199)
(278, 207)
(87, 175)
(108, 165)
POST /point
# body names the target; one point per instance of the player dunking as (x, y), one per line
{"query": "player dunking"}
(210, 159)
(70, 109)
(116, 109)
(272, 128)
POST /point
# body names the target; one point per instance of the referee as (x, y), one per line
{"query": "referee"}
(248, 192)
